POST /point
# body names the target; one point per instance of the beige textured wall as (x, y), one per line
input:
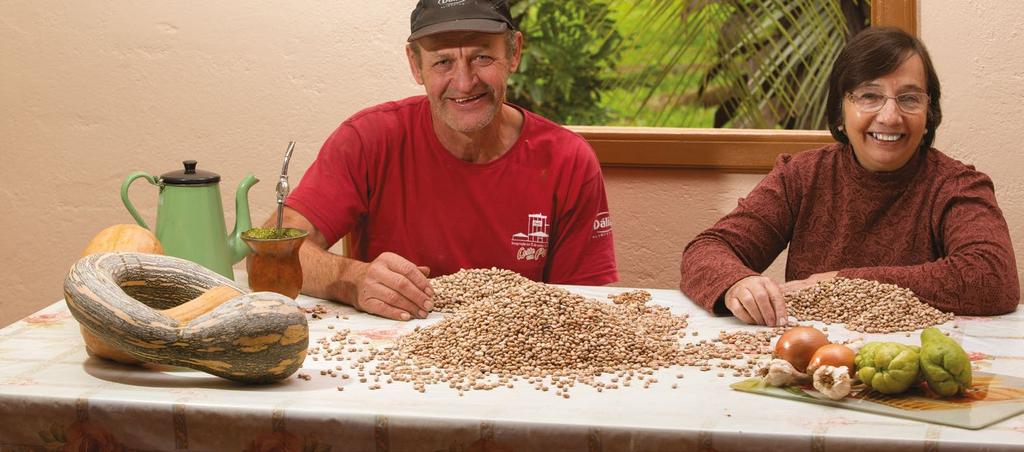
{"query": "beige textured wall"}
(90, 91)
(657, 211)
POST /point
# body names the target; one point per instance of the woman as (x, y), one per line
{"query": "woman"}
(881, 204)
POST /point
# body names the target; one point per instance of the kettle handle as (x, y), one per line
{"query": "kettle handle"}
(124, 194)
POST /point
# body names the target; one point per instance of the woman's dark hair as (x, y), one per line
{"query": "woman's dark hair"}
(871, 54)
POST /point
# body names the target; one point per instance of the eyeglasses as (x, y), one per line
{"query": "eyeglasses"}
(873, 101)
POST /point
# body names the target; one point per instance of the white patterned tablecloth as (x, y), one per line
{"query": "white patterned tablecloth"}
(54, 396)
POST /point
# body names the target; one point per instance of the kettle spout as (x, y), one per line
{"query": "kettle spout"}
(243, 222)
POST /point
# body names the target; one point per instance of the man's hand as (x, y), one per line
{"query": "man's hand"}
(390, 286)
(797, 285)
(757, 300)
(395, 288)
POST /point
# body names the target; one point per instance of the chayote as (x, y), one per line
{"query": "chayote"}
(945, 364)
(887, 367)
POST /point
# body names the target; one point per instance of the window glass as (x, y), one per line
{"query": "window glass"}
(697, 63)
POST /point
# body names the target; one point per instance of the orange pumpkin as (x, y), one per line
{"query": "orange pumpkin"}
(119, 237)
(124, 237)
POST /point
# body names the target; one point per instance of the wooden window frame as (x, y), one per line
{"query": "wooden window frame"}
(732, 150)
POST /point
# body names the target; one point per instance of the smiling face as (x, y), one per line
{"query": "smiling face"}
(886, 140)
(465, 75)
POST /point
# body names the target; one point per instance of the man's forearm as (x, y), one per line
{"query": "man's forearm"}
(329, 276)
(324, 274)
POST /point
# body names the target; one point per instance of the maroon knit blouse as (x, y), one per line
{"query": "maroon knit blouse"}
(932, 226)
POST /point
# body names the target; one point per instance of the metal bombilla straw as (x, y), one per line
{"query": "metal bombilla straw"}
(282, 184)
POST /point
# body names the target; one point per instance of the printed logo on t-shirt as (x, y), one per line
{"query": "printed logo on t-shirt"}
(602, 225)
(532, 244)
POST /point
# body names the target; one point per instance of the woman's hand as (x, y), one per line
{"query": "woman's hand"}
(757, 300)
(797, 285)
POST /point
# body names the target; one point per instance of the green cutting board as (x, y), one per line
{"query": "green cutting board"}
(990, 399)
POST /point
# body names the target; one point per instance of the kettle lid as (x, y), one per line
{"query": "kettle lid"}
(190, 175)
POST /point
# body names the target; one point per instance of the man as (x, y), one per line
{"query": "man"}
(454, 179)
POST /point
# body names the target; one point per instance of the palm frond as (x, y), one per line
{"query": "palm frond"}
(756, 63)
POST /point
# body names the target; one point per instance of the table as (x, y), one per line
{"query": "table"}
(53, 394)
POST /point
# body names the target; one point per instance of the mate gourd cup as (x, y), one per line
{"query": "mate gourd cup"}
(273, 265)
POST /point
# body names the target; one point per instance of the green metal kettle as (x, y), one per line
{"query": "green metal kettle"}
(190, 216)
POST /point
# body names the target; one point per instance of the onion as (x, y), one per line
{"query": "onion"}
(797, 345)
(834, 355)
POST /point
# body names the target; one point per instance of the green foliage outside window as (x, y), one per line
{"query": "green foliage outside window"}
(682, 63)
(571, 53)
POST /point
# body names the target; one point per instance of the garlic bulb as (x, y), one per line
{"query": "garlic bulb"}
(833, 382)
(782, 373)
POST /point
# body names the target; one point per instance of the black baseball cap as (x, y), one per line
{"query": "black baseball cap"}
(438, 16)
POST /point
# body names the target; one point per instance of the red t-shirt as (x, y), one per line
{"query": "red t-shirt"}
(540, 209)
